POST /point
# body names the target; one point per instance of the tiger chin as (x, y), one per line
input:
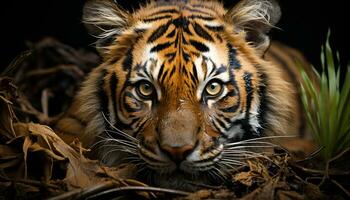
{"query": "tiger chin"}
(185, 90)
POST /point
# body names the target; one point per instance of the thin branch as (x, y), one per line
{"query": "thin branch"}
(341, 187)
(83, 193)
(138, 188)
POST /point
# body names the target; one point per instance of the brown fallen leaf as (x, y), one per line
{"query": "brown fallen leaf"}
(7, 116)
(257, 173)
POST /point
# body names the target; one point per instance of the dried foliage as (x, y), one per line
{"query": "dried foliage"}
(35, 163)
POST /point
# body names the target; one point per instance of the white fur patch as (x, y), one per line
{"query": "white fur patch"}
(235, 131)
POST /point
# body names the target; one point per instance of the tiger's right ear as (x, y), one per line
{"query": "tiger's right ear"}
(104, 20)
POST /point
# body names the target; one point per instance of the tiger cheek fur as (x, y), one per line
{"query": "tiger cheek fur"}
(182, 84)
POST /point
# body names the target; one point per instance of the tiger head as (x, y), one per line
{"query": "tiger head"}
(181, 84)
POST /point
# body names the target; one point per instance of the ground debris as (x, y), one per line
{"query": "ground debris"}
(34, 160)
(48, 75)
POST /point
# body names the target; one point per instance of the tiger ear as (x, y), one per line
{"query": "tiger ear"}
(104, 20)
(255, 18)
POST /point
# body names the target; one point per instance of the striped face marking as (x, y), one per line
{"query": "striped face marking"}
(183, 88)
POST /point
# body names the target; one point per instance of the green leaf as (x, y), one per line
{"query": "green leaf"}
(327, 106)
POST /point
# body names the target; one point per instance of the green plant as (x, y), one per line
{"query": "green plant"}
(326, 104)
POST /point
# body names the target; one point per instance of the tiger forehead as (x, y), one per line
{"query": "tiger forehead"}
(186, 8)
(175, 37)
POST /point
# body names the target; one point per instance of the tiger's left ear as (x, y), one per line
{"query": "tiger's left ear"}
(104, 20)
(255, 18)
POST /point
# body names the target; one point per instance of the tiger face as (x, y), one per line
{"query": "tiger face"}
(181, 85)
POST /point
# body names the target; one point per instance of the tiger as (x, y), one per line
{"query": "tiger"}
(185, 88)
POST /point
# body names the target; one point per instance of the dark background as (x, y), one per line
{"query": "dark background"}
(304, 25)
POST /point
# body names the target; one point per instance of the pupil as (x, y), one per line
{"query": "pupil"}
(146, 87)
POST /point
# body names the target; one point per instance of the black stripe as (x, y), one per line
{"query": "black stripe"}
(202, 33)
(247, 77)
(207, 18)
(161, 70)
(172, 72)
(170, 56)
(264, 102)
(180, 22)
(192, 10)
(295, 81)
(184, 41)
(219, 38)
(102, 96)
(245, 126)
(248, 132)
(215, 28)
(118, 122)
(113, 87)
(172, 11)
(187, 84)
(158, 32)
(232, 53)
(127, 62)
(171, 34)
(220, 70)
(185, 56)
(226, 119)
(139, 30)
(161, 47)
(199, 46)
(164, 76)
(187, 30)
(195, 73)
(157, 18)
(134, 121)
(127, 106)
(193, 78)
(212, 62)
(176, 42)
(216, 126)
(140, 125)
(221, 123)
(231, 109)
(201, 6)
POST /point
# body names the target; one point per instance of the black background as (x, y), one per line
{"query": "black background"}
(304, 25)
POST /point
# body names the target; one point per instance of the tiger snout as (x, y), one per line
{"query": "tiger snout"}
(178, 134)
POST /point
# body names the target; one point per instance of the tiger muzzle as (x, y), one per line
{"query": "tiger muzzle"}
(178, 134)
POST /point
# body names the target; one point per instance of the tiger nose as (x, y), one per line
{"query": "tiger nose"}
(177, 154)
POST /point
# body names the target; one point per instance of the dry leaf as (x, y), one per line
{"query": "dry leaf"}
(7, 116)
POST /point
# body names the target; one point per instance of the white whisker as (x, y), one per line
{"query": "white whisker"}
(119, 131)
(254, 142)
(230, 161)
(133, 146)
(264, 138)
(256, 146)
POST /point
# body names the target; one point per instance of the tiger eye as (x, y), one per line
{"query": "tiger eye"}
(145, 89)
(213, 88)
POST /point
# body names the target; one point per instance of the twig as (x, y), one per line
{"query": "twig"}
(138, 188)
(326, 175)
(55, 70)
(311, 156)
(16, 62)
(204, 185)
(321, 172)
(83, 193)
(45, 94)
(30, 182)
(341, 187)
